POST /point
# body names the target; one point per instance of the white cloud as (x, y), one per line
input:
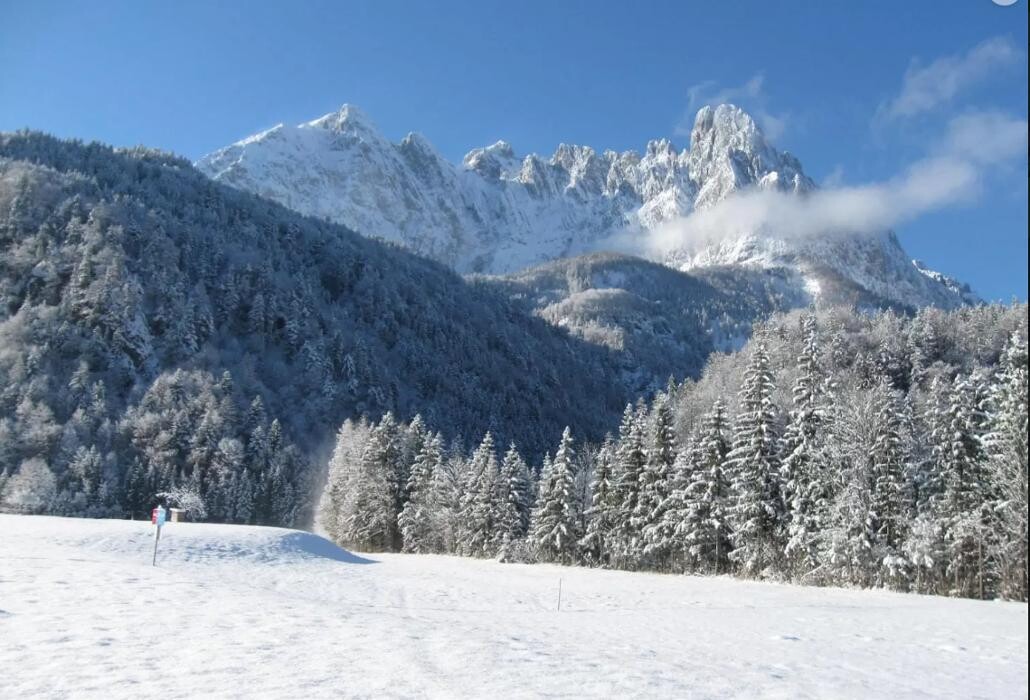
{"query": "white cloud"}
(973, 145)
(986, 137)
(751, 95)
(835, 178)
(772, 125)
(951, 176)
(708, 93)
(926, 87)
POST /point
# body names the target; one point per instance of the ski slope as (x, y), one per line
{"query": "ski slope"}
(235, 611)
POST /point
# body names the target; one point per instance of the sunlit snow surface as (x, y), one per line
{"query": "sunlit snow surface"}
(262, 612)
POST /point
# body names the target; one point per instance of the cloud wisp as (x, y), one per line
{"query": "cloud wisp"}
(924, 88)
(751, 95)
(950, 176)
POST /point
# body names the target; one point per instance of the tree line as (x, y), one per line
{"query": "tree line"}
(855, 449)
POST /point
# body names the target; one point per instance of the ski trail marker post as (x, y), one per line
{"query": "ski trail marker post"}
(157, 517)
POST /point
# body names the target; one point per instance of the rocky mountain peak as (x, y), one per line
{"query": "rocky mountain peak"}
(729, 152)
(348, 119)
(726, 127)
(492, 161)
(497, 212)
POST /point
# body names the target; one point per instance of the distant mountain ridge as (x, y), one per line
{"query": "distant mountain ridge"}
(499, 213)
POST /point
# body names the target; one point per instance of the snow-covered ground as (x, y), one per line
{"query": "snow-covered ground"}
(262, 612)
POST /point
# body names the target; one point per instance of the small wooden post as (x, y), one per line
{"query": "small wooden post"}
(158, 518)
(559, 595)
(157, 538)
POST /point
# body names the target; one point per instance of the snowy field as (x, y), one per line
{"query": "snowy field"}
(236, 611)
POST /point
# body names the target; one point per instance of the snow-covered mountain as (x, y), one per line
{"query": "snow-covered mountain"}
(497, 212)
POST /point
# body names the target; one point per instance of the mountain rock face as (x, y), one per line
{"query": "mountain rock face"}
(499, 213)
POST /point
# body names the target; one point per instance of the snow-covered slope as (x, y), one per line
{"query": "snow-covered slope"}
(497, 212)
(234, 611)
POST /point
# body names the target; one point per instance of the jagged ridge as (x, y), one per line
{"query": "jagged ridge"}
(497, 213)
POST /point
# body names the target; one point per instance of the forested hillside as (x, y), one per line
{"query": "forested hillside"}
(160, 330)
(659, 322)
(835, 448)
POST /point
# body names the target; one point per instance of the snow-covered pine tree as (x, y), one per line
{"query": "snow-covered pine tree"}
(928, 477)
(925, 552)
(412, 440)
(757, 512)
(963, 506)
(804, 483)
(555, 518)
(416, 518)
(603, 510)
(892, 360)
(88, 467)
(671, 533)
(447, 489)
(848, 555)
(256, 415)
(655, 482)
(137, 488)
(369, 515)
(924, 344)
(243, 491)
(278, 489)
(1005, 444)
(32, 489)
(523, 488)
(222, 496)
(705, 529)
(630, 461)
(512, 500)
(479, 502)
(889, 466)
(543, 483)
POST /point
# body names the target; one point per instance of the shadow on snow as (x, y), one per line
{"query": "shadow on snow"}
(309, 545)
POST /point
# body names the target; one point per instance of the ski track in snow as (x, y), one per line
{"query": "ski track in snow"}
(235, 611)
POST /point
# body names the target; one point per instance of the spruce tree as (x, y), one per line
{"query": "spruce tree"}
(342, 469)
(804, 488)
(602, 513)
(630, 462)
(928, 484)
(447, 489)
(757, 513)
(513, 493)
(889, 465)
(705, 527)
(88, 467)
(370, 518)
(1005, 445)
(849, 551)
(555, 518)
(672, 532)
(655, 481)
(964, 503)
(416, 518)
(479, 502)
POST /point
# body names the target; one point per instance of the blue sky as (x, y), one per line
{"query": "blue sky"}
(859, 91)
